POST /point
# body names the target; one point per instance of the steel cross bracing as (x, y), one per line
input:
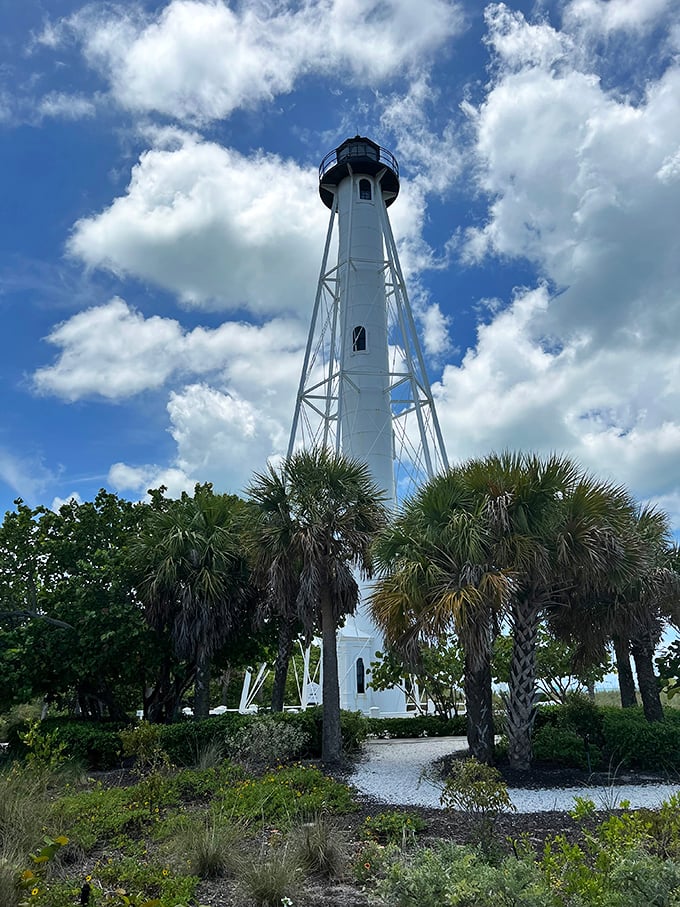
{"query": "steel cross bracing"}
(418, 446)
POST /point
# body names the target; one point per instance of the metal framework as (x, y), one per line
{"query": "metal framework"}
(418, 447)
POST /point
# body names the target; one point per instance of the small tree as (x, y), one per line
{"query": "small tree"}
(320, 511)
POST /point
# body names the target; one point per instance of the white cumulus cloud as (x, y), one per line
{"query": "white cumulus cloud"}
(198, 60)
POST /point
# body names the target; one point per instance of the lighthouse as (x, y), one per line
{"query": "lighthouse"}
(364, 389)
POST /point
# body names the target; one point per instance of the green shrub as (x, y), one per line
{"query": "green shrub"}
(579, 714)
(185, 740)
(563, 746)
(634, 742)
(418, 726)
(394, 827)
(267, 742)
(95, 744)
(354, 727)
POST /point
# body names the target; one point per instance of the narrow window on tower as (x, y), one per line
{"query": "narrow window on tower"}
(359, 339)
(361, 683)
(365, 190)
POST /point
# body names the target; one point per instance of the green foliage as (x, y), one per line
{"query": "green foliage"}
(104, 814)
(90, 644)
(557, 678)
(460, 877)
(45, 751)
(438, 669)
(266, 742)
(96, 745)
(186, 739)
(480, 789)
(475, 787)
(394, 827)
(636, 743)
(563, 746)
(285, 794)
(418, 726)
(372, 860)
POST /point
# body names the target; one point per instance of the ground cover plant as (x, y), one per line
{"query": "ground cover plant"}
(250, 830)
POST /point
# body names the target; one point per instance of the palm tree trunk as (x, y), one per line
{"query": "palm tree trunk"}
(626, 681)
(642, 649)
(285, 649)
(521, 698)
(202, 686)
(331, 737)
(480, 730)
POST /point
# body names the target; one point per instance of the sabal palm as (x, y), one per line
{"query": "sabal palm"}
(515, 530)
(632, 608)
(321, 512)
(193, 577)
(437, 573)
(559, 530)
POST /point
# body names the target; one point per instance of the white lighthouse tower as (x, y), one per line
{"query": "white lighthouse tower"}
(364, 389)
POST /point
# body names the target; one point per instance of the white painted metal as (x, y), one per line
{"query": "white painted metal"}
(364, 388)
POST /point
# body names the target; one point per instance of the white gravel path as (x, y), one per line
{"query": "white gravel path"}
(395, 772)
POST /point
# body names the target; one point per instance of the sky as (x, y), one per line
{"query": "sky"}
(162, 233)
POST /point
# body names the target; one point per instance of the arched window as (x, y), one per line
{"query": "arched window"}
(361, 683)
(365, 190)
(359, 339)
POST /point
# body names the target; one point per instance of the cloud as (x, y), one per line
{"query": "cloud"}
(110, 350)
(584, 184)
(223, 230)
(26, 476)
(66, 106)
(221, 437)
(213, 226)
(113, 351)
(199, 60)
(612, 15)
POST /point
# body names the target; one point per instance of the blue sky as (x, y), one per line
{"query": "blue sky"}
(162, 232)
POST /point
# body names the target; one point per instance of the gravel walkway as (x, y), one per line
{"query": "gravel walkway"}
(396, 772)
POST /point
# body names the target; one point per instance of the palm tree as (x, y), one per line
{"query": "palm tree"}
(321, 512)
(438, 574)
(193, 577)
(278, 574)
(632, 609)
(557, 530)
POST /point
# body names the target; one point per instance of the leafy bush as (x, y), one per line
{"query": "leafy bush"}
(634, 742)
(267, 742)
(95, 744)
(579, 714)
(476, 787)
(460, 877)
(418, 726)
(563, 746)
(394, 827)
(185, 740)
